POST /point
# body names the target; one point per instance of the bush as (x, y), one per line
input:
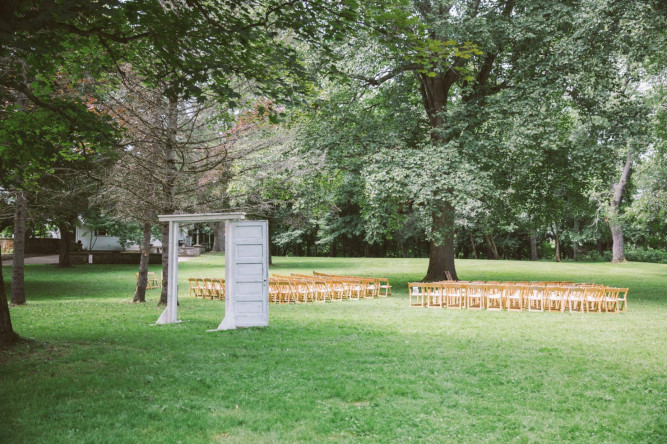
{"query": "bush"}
(648, 254)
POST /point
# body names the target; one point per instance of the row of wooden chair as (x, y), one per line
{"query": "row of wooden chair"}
(211, 288)
(380, 285)
(298, 288)
(518, 296)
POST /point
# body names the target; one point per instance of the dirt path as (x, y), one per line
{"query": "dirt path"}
(30, 260)
(53, 259)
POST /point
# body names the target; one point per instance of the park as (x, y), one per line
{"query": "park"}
(98, 369)
(333, 221)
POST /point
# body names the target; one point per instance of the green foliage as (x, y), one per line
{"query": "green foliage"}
(648, 254)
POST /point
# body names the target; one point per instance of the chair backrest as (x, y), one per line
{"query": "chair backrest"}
(515, 290)
(475, 290)
(536, 291)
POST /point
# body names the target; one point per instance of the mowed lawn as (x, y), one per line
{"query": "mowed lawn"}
(98, 370)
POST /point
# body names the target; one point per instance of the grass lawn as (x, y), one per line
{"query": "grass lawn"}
(98, 370)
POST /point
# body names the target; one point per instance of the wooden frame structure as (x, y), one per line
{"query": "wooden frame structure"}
(246, 269)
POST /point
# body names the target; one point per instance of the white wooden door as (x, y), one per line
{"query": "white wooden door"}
(247, 274)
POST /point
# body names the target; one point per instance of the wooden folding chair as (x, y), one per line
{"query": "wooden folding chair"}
(576, 299)
(474, 295)
(207, 287)
(514, 296)
(434, 295)
(274, 290)
(494, 297)
(303, 289)
(152, 281)
(555, 298)
(219, 288)
(321, 290)
(335, 288)
(384, 289)
(194, 287)
(593, 299)
(454, 296)
(286, 292)
(356, 288)
(623, 299)
(609, 303)
(417, 291)
(536, 298)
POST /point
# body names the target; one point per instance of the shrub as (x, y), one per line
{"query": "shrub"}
(648, 254)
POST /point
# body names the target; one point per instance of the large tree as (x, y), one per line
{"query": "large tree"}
(464, 59)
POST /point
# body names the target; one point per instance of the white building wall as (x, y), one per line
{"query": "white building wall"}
(111, 243)
(88, 238)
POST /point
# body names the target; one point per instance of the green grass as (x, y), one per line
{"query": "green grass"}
(98, 370)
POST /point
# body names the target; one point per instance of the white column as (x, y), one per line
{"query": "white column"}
(229, 321)
(169, 315)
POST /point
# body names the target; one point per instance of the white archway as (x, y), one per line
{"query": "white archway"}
(246, 269)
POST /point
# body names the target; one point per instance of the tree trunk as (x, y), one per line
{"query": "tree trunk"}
(441, 256)
(7, 335)
(491, 245)
(575, 244)
(165, 264)
(65, 240)
(18, 267)
(472, 244)
(268, 222)
(168, 190)
(219, 237)
(533, 247)
(557, 242)
(142, 280)
(618, 254)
